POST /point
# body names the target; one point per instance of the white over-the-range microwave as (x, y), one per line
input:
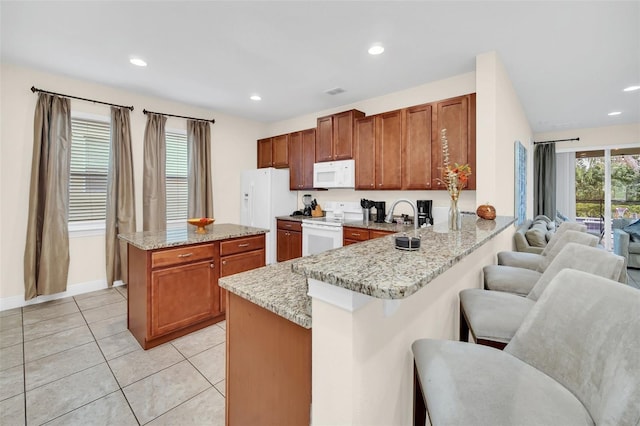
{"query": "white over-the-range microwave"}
(334, 174)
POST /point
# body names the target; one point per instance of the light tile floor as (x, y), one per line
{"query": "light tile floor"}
(73, 362)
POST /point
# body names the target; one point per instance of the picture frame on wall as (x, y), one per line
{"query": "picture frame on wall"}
(520, 163)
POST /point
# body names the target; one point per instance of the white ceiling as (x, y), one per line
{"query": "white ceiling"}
(568, 61)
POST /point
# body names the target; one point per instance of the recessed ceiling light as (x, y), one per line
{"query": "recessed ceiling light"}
(615, 113)
(138, 62)
(631, 88)
(376, 49)
(255, 98)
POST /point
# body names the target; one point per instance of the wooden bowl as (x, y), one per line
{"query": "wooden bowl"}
(200, 224)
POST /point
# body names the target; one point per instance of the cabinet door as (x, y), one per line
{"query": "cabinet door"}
(282, 245)
(365, 149)
(296, 167)
(453, 115)
(389, 150)
(377, 234)
(264, 153)
(416, 147)
(308, 157)
(295, 245)
(343, 133)
(280, 145)
(241, 262)
(183, 295)
(324, 139)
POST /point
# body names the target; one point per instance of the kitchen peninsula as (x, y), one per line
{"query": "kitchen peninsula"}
(369, 302)
(173, 277)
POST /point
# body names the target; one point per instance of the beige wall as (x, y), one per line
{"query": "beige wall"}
(233, 149)
(500, 122)
(595, 137)
(434, 91)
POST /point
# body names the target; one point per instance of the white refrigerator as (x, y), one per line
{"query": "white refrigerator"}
(265, 195)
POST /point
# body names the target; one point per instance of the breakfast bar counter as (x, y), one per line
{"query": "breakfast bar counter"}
(369, 302)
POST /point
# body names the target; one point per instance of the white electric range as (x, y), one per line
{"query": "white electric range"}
(325, 233)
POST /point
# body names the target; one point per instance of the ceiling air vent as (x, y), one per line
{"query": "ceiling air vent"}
(335, 91)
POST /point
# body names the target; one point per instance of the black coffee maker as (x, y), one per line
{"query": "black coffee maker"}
(424, 212)
(381, 208)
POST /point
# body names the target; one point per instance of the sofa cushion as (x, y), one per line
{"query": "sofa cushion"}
(536, 234)
(511, 279)
(633, 230)
(634, 248)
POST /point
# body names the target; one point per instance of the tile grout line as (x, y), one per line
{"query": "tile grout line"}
(108, 365)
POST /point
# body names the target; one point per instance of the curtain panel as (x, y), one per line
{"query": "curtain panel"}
(544, 180)
(200, 190)
(121, 212)
(46, 256)
(154, 203)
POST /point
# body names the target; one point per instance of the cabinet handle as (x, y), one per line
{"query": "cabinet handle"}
(211, 265)
(288, 226)
(371, 184)
(224, 262)
(243, 245)
(185, 255)
(353, 234)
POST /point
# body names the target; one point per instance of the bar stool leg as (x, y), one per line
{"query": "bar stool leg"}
(419, 406)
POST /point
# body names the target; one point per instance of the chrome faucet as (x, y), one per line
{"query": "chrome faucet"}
(389, 217)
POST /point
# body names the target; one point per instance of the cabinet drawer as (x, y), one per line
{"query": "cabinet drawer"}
(241, 262)
(180, 255)
(240, 245)
(357, 234)
(290, 225)
(377, 234)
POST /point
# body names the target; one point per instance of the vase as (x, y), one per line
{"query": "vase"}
(455, 219)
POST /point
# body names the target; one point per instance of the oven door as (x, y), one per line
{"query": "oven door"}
(317, 238)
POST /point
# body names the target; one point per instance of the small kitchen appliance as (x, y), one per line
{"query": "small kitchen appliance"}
(307, 200)
(381, 208)
(424, 212)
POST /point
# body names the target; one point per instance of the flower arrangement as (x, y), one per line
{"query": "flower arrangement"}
(453, 178)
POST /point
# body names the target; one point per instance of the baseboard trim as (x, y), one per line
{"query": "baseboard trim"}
(72, 290)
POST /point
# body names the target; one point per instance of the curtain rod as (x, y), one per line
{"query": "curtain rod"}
(34, 89)
(557, 140)
(179, 116)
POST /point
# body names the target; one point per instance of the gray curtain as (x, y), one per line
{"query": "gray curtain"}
(544, 180)
(121, 212)
(154, 203)
(199, 170)
(46, 254)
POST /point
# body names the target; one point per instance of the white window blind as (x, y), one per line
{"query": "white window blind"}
(176, 181)
(89, 167)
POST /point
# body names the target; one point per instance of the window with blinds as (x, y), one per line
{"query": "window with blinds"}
(88, 170)
(176, 181)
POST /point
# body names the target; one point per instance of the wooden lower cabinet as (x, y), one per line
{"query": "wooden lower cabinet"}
(289, 240)
(268, 367)
(174, 291)
(352, 235)
(240, 255)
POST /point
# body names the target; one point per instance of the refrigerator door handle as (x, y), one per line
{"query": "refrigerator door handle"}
(251, 195)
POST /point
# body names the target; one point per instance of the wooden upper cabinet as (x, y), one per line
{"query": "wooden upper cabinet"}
(365, 151)
(302, 148)
(280, 149)
(264, 153)
(416, 147)
(389, 150)
(457, 115)
(273, 152)
(334, 139)
(324, 139)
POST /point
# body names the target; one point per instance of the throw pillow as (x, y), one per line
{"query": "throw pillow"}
(536, 236)
(633, 230)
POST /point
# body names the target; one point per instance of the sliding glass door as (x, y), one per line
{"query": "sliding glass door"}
(607, 187)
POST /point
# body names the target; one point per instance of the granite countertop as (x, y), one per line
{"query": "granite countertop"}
(276, 288)
(376, 268)
(151, 240)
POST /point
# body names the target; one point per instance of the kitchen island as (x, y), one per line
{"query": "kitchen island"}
(369, 302)
(173, 277)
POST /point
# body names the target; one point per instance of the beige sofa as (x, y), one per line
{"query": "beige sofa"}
(532, 236)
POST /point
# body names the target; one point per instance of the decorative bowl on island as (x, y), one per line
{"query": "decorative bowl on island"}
(200, 223)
